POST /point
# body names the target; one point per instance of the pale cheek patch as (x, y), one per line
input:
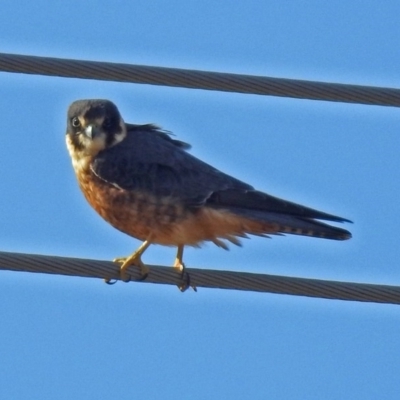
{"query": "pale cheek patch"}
(81, 158)
(119, 137)
(92, 146)
(71, 147)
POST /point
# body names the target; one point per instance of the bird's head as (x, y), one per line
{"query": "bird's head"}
(93, 126)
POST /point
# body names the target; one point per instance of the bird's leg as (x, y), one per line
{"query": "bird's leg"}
(134, 259)
(185, 284)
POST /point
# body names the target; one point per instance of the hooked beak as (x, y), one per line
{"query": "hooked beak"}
(91, 131)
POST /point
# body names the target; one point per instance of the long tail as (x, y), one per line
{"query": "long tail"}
(266, 214)
(260, 222)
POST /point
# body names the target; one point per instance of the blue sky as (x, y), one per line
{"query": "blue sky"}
(66, 338)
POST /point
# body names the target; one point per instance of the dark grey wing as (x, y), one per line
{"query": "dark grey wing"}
(159, 132)
(150, 160)
(255, 200)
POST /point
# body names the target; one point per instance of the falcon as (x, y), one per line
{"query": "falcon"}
(144, 183)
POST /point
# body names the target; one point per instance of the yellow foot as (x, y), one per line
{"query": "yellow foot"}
(135, 260)
(180, 266)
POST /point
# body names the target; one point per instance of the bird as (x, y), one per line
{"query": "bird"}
(145, 183)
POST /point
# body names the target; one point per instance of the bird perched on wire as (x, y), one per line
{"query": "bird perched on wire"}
(145, 184)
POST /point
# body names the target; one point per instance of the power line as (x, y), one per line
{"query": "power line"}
(205, 278)
(209, 81)
(194, 79)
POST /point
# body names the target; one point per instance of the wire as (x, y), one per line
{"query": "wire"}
(204, 278)
(209, 81)
(193, 79)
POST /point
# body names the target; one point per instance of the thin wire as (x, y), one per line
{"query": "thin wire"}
(193, 79)
(210, 81)
(205, 278)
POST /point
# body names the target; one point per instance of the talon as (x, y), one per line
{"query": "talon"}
(110, 281)
(134, 259)
(185, 284)
(145, 273)
(185, 276)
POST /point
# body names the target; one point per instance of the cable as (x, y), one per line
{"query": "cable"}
(200, 80)
(205, 278)
(210, 81)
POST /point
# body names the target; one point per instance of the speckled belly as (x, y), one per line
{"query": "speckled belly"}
(137, 214)
(164, 220)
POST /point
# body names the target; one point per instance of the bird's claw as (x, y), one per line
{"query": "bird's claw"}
(129, 261)
(185, 277)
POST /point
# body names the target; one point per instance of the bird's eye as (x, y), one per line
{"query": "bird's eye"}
(75, 122)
